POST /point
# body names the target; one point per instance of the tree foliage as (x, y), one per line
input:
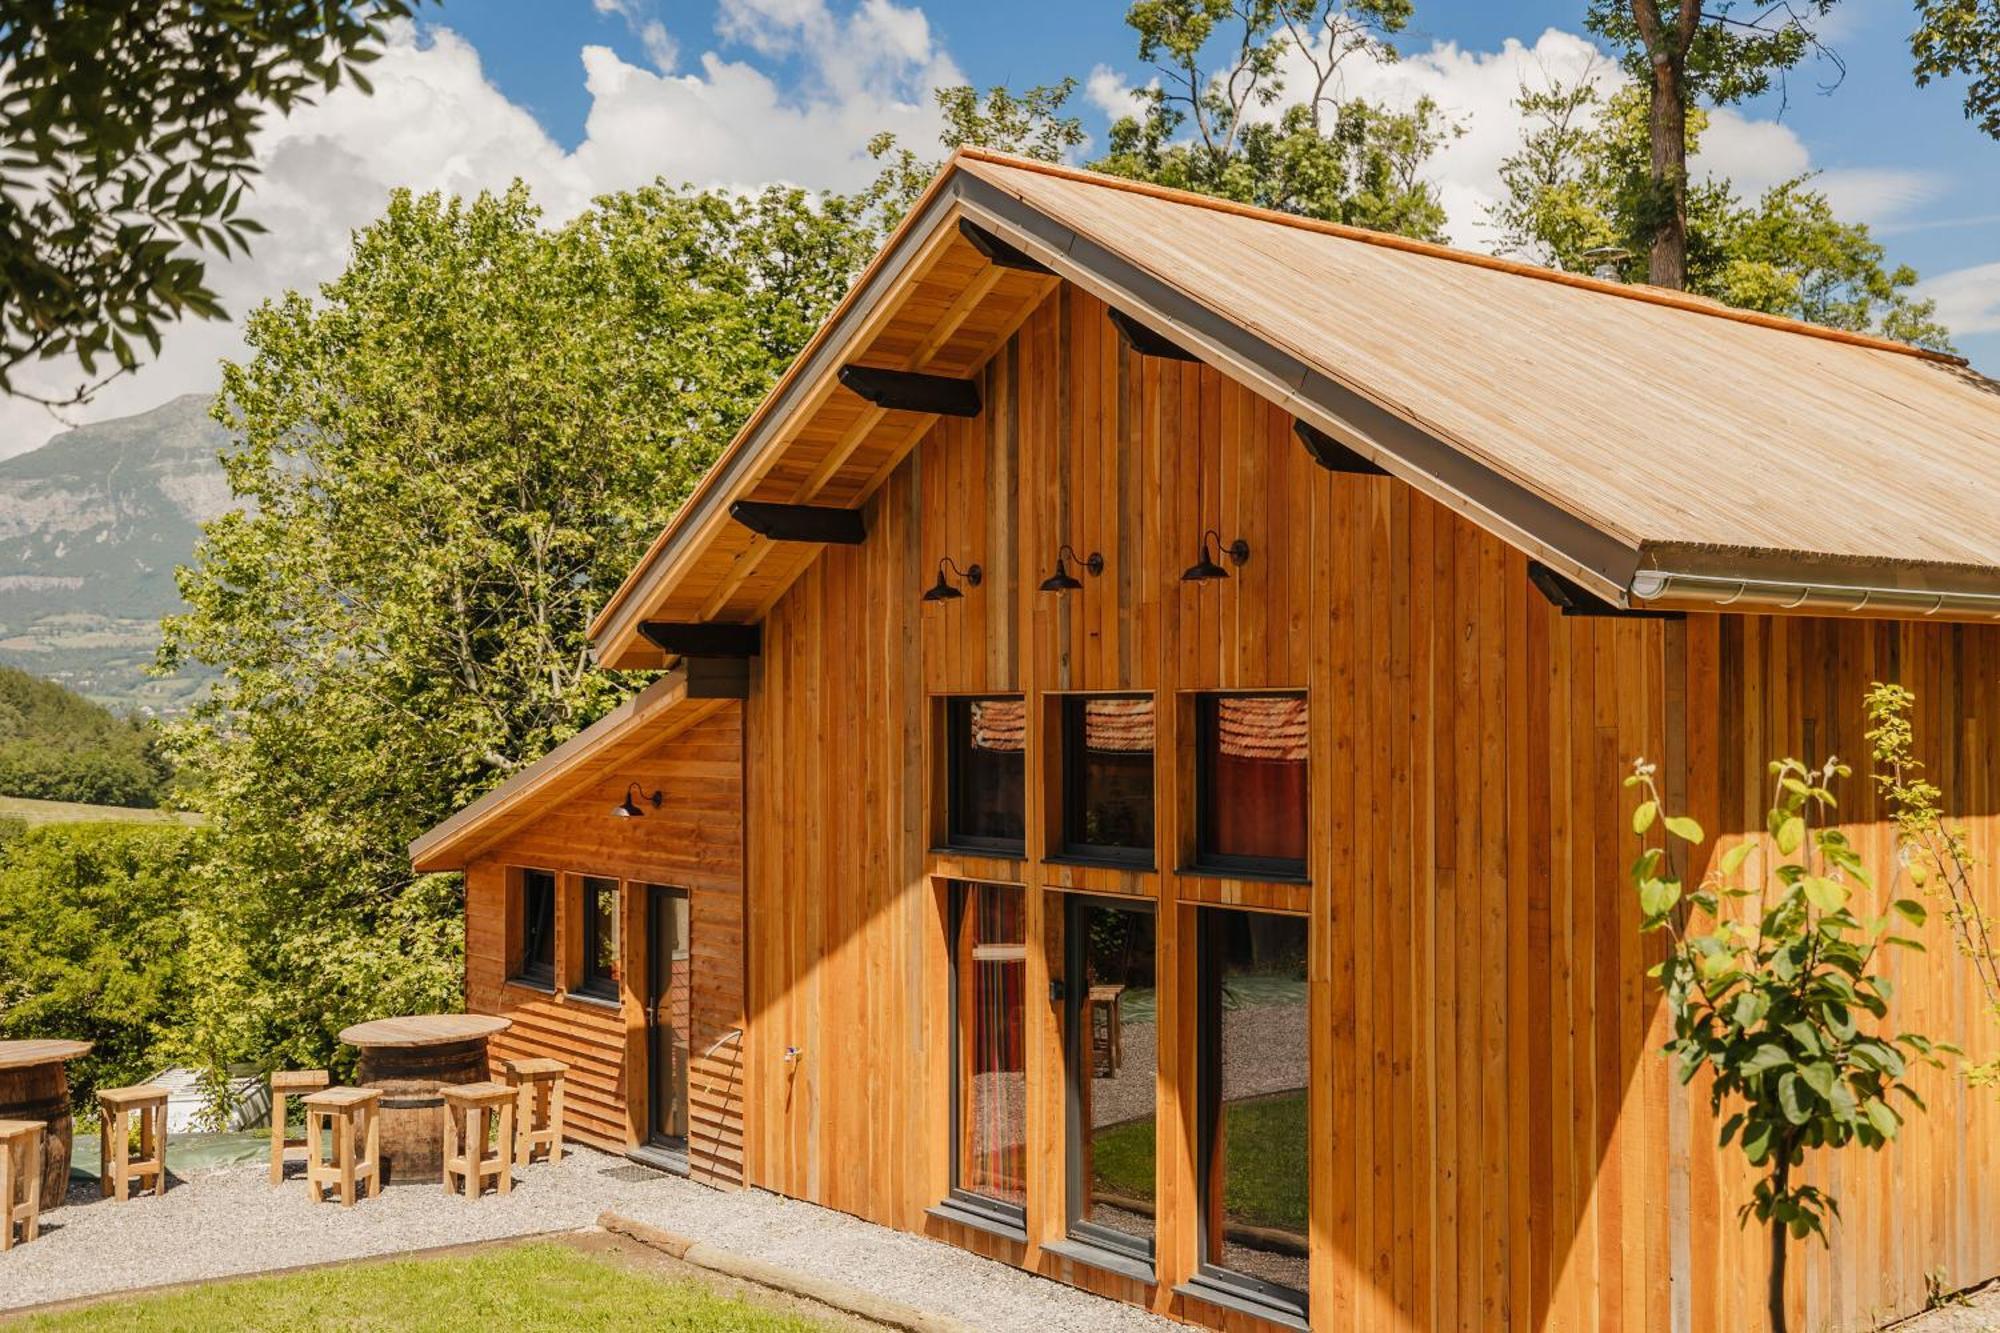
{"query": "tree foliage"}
(1774, 986)
(127, 130)
(453, 455)
(1217, 120)
(1577, 194)
(56, 745)
(93, 935)
(1962, 38)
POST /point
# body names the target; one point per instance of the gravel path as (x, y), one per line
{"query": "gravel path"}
(231, 1221)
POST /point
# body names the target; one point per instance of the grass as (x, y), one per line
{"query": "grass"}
(541, 1285)
(75, 812)
(1266, 1147)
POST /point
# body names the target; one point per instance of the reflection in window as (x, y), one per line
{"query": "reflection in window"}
(600, 938)
(1251, 782)
(1114, 1057)
(1108, 778)
(989, 967)
(1252, 1039)
(986, 806)
(537, 963)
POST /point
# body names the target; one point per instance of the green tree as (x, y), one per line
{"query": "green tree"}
(93, 934)
(1222, 125)
(126, 137)
(1577, 196)
(1031, 124)
(56, 745)
(1962, 37)
(451, 457)
(1773, 985)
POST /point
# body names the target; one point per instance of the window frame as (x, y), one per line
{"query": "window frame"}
(1070, 725)
(523, 970)
(1076, 1059)
(979, 1209)
(1288, 1304)
(1276, 869)
(592, 984)
(957, 739)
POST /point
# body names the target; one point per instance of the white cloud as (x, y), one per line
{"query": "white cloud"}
(1107, 90)
(660, 46)
(1968, 299)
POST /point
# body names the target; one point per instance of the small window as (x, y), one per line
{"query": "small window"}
(1114, 1064)
(1250, 783)
(989, 959)
(1108, 778)
(536, 902)
(986, 805)
(1251, 1075)
(601, 970)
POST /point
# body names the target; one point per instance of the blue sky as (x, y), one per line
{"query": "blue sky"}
(578, 97)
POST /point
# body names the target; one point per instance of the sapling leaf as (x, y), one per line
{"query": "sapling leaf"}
(1733, 859)
(1643, 815)
(1686, 829)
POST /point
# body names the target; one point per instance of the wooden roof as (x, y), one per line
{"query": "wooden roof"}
(648, 719)
(1606, 429)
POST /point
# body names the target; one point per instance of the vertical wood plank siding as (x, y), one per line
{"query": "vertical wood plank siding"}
(695, 841)
(1496, 1141)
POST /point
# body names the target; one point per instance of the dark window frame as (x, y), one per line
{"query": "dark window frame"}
(1071, 848)
(1279, 869)
(957, 738)
(591, 983)
(1290, 1304)
(979, 1210)
(528, 970)
(1076, 1059)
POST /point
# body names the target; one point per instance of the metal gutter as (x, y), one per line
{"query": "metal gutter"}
(1723, 592)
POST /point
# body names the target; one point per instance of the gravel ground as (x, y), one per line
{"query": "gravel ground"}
(230, 1221)
(1979, 1313)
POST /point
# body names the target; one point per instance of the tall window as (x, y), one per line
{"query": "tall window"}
(1113, 1060)
(1251, 1076)
(601, 968)
(989, 1085)
(536, 901)
(986, 805)
(1108, 778)
(1250, 783)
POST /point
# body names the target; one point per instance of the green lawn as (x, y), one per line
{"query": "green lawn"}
(30, 811)
(1266, 1138)
(534, 1286)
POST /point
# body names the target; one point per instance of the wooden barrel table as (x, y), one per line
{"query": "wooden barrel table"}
(411, 1060)
(34, 1085)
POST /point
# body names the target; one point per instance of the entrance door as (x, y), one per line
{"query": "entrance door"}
(667, 1009)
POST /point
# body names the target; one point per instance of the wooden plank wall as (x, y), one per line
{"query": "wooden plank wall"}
(694, 842)
(1496, 1141)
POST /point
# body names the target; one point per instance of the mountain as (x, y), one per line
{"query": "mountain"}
(91, 527)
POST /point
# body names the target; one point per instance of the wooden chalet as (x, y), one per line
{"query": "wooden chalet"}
(1137, 792)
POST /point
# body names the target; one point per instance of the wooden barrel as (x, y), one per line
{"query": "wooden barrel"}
(412, 1106)
(41, 1092)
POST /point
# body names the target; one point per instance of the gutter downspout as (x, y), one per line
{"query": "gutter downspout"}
(1654, 586)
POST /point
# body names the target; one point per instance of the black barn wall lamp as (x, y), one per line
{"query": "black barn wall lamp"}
(1206, 570)
(629, 808)
(1064, 581)
(942, 591)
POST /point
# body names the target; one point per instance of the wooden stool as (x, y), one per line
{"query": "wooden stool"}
(285, 1084)
(1107, 1043)
(345, 1115)
(20, 1180)
(115, 1107)
(538, 1112)
(466, 1108)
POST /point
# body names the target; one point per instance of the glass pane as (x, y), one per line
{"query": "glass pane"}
(1255, 1011)
(538, 923)
(1110, 774)
(1117, 1057)
(988, 799)
(990, 965)
(601, 904)
(670, 1020)
(1253, 788)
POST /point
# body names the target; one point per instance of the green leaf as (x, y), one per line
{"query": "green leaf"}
(1791, 834)
(1819, 1076)
(1658, 896)
(1883, 1116)
(1768, 1056)
(1911, 910)
(1643, 815)
(1790, 1100)
(1733, 859)
(1686, 829)
(1826, 894)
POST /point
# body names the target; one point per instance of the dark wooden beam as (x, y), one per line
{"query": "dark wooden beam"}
(996, 250)
(1573, 599)
(717, 677)
(909, 391)
(800, 523)
(1334, 456)
(1146, 342)
(679, 639)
